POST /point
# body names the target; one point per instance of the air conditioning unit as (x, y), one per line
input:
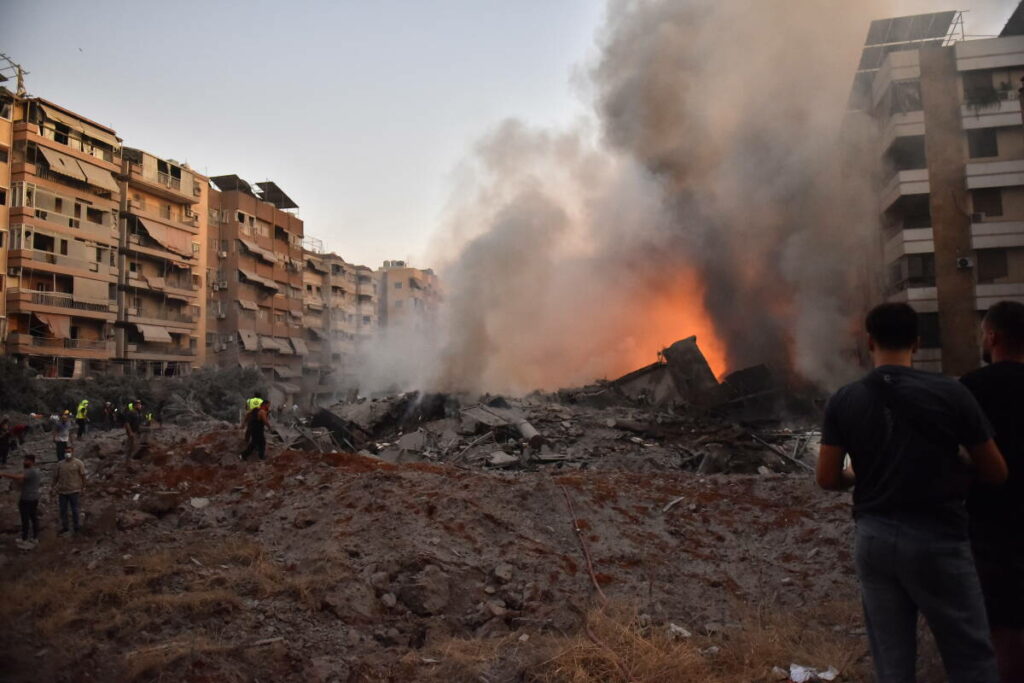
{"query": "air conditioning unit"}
(223, 284)
(221, 315)
(964, 263)
(215, 286)
(222, 254)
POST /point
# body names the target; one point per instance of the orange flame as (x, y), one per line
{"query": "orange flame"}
(673, 312)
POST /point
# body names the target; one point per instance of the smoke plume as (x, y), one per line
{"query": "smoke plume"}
(712, 194)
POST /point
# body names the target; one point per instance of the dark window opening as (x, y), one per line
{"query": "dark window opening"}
(992, 265)
(241, 217)
(987, 202)
(906, 97)
(43, 242)
(60, 133)
(907, 154)
(3, 156)
(94, 215)
(982, 142)
(3, 196)
(63, 247)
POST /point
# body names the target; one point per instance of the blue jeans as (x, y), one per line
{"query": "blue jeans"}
(68, 500)
(904, 570)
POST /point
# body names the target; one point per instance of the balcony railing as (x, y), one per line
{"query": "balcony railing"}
(60, 260)
(168, 180)
(59, 300)
(161, 348)
(56, 343)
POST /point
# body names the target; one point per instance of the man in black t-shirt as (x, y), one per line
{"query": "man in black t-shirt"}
(997, 513)
(902, 428)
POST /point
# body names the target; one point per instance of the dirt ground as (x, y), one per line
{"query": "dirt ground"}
(195, 566)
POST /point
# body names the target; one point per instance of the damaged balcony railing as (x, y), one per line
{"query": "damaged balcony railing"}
(59, 300)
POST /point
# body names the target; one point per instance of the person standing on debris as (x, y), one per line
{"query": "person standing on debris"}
(69, 482)
(82, 416)
(109, 414)
(997, 513)
(132, 428)
(28, 501)
(61, 433)
(257, 422)
(902, 428)
(255, 402)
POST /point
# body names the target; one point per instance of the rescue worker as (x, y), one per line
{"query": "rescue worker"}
(109, 413)
(132, 428)
(61, 433)
(255, 402)
(256, 422)
(82, 416)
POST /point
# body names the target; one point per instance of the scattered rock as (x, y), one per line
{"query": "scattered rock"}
(504, 572)
(199, 503)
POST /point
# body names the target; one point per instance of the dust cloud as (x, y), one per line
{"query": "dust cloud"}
(714, 192)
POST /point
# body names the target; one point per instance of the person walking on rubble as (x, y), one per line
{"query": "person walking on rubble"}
(82, 416)
(256, 422)
(69, 482)
(255, 402)
(28, 501)
(997, 513)
(902, 428)
(6, 438)
(109, 416)
(132, 428)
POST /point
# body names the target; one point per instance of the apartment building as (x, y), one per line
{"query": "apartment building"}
(62, 237)
(407, 297)
(951, 200)
(6, 140)
(340, 316)
(255, 269)
(163, 215)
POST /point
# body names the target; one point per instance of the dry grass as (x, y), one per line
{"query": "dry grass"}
(620, 648)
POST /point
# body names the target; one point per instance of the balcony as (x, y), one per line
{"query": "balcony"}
(159, 351)
(995, 174)
(32, 258)
(988, 294)
(75, 348)
(27, 300)
(1004, 111)
(996, 234)
(76, 226)
(913, 181)
(179, 190)
(909, 241)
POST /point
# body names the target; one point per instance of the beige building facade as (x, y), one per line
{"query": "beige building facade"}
(951, 200)
(407, 297)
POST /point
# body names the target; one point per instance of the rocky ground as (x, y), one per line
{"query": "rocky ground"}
(321, 566)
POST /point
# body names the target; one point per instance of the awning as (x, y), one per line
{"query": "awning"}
(299, 345)
(249, 340)
(100, 177)
(60, 325)
(153, 333)
(268, 343)
(155, 282)
(262, 281)
(284, 347)
(178, 297)
(317, 333)
(315, 305)
(288, 388)
(285, 372)
(81, 126)
(171, 239)
(248, 305)
(265, 254)
(93, 291)
(62, 164)
(317, 266)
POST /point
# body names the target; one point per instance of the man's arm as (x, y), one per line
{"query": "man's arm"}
(830, 473)
(15, 477)
(989, 461)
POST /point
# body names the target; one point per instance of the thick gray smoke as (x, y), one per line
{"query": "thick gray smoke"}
(712, 196)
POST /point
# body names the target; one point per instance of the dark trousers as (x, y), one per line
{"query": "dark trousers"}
(81, 426)
(5, 448)
(29, 510)
(62, 449)
(68, 500)
(904, 570)
(258, 444)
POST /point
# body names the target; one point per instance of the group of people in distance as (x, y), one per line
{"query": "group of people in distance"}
(937, 470)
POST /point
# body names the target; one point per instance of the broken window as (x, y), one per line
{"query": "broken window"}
(982, 142)
(979, 90)
(907, 153)
(920, 271)
(987, 202)
(906, 97)
(992, 265)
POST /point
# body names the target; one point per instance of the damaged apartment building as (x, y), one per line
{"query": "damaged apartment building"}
(339, 314)
(114, 260)
(951, 200)
(255, 269)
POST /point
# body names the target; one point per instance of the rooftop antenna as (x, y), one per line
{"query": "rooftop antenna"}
(8, 68)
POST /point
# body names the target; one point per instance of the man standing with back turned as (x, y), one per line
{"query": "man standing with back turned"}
(997, 513)
(902, 428)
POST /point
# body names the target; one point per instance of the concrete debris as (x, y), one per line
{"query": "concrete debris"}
(805, 674)
(199, 503)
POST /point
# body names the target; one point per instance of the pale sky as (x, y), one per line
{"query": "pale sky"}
(359, 110)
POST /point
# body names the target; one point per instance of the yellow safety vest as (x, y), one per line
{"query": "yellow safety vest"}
(253, 403)
(83, 410)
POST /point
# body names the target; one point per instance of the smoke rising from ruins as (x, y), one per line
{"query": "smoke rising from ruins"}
(711, 195)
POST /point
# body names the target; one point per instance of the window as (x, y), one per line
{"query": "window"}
(3, 196)
(165, 210)
(978, 88)
(398, 285)
(907, 153)
(920, 270)
(3, 156)
(94, 216)
(133, 267)
(906, 97)
(63, 247)
(987, 201)
(241, 217)
(981, 142)
(60, 133)
(992, 265)
(366, 320)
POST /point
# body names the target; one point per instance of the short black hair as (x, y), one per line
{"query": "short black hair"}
(1007, 318)
(29, 456)
(893, 326)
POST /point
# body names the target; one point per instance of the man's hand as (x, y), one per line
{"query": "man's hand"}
(830, 473)
(989, 461)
